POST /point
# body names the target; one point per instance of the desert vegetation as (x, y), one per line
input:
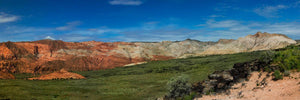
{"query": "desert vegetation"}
(155, 79)
(146, 81)
(283, 61)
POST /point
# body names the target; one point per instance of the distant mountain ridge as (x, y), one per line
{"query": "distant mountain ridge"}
(45, 56)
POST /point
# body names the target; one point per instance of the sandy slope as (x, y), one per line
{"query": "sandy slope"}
(286, 89)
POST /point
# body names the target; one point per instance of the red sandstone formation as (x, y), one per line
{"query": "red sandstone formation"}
(6, 75)
(62, 74)
(52, 55)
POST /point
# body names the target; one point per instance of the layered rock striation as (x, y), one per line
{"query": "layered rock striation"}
(52, 55)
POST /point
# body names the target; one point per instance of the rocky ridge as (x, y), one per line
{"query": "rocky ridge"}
(52, 55)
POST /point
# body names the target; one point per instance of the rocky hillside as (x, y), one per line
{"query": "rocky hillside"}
(259, 41)
(250, 81)
(52, 55)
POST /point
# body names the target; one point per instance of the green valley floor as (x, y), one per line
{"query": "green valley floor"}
(145, 81)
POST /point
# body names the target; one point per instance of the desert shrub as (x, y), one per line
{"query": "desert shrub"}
(286, 73)
(277, 75)
(178, 87)
(288, 59)
(210, 91)
(268, 56)
(190, 97)
(267, 69)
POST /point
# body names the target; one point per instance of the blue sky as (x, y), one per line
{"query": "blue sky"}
(145, 20)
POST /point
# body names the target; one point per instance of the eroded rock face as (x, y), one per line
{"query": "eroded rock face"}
(258, 41)
(62, 74)
(6, 75)
(221, 81)
(52, 55)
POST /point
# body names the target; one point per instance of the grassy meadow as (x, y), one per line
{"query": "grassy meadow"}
(145, 81)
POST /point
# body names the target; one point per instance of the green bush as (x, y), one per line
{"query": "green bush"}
(267, 69)
(190, 97)
(277, 75)
(209, 92)
(288, 59)
(178, 87)
(268, 56)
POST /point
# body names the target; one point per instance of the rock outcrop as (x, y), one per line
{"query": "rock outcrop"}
(6, 75)
(258, 41)
(62, 74)
(52, 55)
(221, 81)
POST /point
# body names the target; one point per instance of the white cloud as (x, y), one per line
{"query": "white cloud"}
(69, 26)
(150, 25)
(211, 30)
(215, 16)
(5, 18)
(19, 30)
(49, 37)
(94, 31)
(235, 29)
(126, 2)
(270, 11)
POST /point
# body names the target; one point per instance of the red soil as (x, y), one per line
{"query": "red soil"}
(6, 75)
(62, 74)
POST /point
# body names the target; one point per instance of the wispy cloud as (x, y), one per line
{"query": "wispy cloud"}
(269, 11)
(234, 28)
(22, 33)
(5, 18)
(11, 30)
(296, 4)
(94, 31)
(69, 26)
(222, 24)
(126, 2)
(73, 38)
(211, 30)
(226, 5)
(215, 16)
